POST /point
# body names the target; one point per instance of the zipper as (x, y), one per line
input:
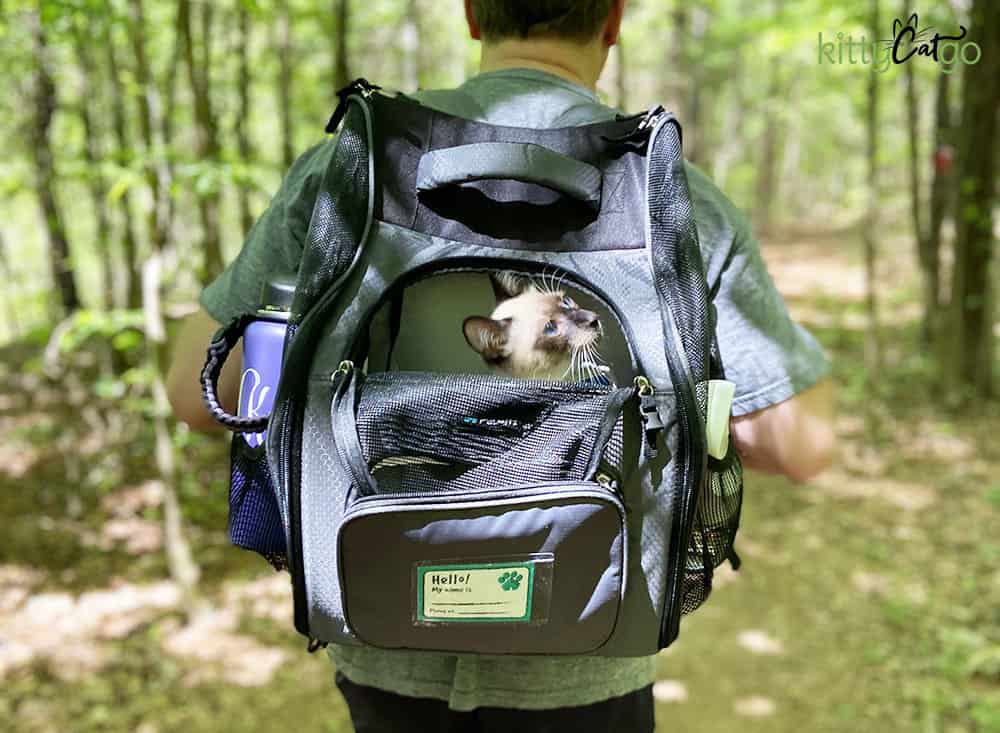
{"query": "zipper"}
(383, 503)
(488, 264)
(293, 414)
(359, 86)
(606, 480)
(361, 476)
(341, 379)
(686, 407)
(549, 385)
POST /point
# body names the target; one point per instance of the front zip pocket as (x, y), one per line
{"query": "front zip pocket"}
(538, 569)
(421, 432)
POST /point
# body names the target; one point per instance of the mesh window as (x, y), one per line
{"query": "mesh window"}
(677, 263)
(339, 214)
(423, 432)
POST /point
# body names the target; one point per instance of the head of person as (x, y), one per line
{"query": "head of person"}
(575, 35)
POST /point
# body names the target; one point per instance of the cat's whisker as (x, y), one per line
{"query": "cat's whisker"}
(589, 364)
(550, 283)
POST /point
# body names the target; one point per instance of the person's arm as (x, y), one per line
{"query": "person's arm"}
(783, 407)
(794, 438)
(187, 360)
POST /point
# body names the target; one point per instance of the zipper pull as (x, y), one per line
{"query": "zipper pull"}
(358, 86)
(644, 127)
(652, 423)
(653, 115)
(315, 645)
(606, 482)
(343, 370)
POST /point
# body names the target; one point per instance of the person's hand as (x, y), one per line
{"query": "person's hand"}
(794, 438)
(187, 357)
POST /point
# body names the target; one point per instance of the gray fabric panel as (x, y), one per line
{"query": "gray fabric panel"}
(325, 485)
(583, 534)
(504, 160)
(624, 276)
(649, 498)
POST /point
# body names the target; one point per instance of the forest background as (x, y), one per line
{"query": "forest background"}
(143, 138)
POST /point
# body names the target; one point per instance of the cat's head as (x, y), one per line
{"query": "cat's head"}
(534, 332)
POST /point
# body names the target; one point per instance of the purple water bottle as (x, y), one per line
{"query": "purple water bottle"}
(263, 342)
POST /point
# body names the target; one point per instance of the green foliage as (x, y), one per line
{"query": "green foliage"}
(120, 328)
(889, 661)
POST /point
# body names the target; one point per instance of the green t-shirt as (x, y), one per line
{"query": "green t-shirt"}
(769, 357)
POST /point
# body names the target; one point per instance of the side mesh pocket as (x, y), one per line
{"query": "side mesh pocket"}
(424, 432)
(716, 520)
(254, 519)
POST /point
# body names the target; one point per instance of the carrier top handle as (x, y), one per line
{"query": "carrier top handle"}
(525, 162)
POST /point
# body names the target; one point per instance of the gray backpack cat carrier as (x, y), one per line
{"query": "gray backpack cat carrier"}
(428, 503)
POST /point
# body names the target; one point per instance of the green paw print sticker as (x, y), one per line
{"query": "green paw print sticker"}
(510, 581)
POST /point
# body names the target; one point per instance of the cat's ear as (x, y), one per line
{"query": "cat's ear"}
(487, 336)
(507, 284)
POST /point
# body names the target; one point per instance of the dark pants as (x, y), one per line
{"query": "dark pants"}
(378, 711)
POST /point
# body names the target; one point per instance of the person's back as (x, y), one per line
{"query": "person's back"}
(544, 79)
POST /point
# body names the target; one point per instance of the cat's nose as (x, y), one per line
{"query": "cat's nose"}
(589, 319)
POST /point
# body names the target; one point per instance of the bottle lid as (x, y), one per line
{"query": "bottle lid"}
(276, 297)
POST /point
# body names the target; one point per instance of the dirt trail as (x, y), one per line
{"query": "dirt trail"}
(867, 601)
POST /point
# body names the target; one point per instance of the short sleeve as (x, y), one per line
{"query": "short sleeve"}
(768, 356)
(274, 243)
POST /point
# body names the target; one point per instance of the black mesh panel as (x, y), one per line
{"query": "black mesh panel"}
(676, 256)
(422, 432)
(710, 509)
(339, 215)
(254, 520)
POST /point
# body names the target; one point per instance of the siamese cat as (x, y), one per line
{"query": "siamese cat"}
(537, 331)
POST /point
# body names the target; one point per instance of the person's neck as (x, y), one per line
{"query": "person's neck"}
(568, 60)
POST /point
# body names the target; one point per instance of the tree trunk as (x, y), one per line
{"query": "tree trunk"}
(243, 113)
(410, 47)
(677, 75)
(695, 135)
(180, 561)
(873, 340)
(621, 75)
(941, 187)
(284, 43)
(206, 131)
(10, 292)
(158, 175)
(45, 102)
(766, 184)
(342, 74)
(925, 257)
(91, 100)
(971, 352)
(130, 239)
(733, 142)
(152, 123)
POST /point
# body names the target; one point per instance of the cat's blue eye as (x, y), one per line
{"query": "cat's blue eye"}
(550, 328)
